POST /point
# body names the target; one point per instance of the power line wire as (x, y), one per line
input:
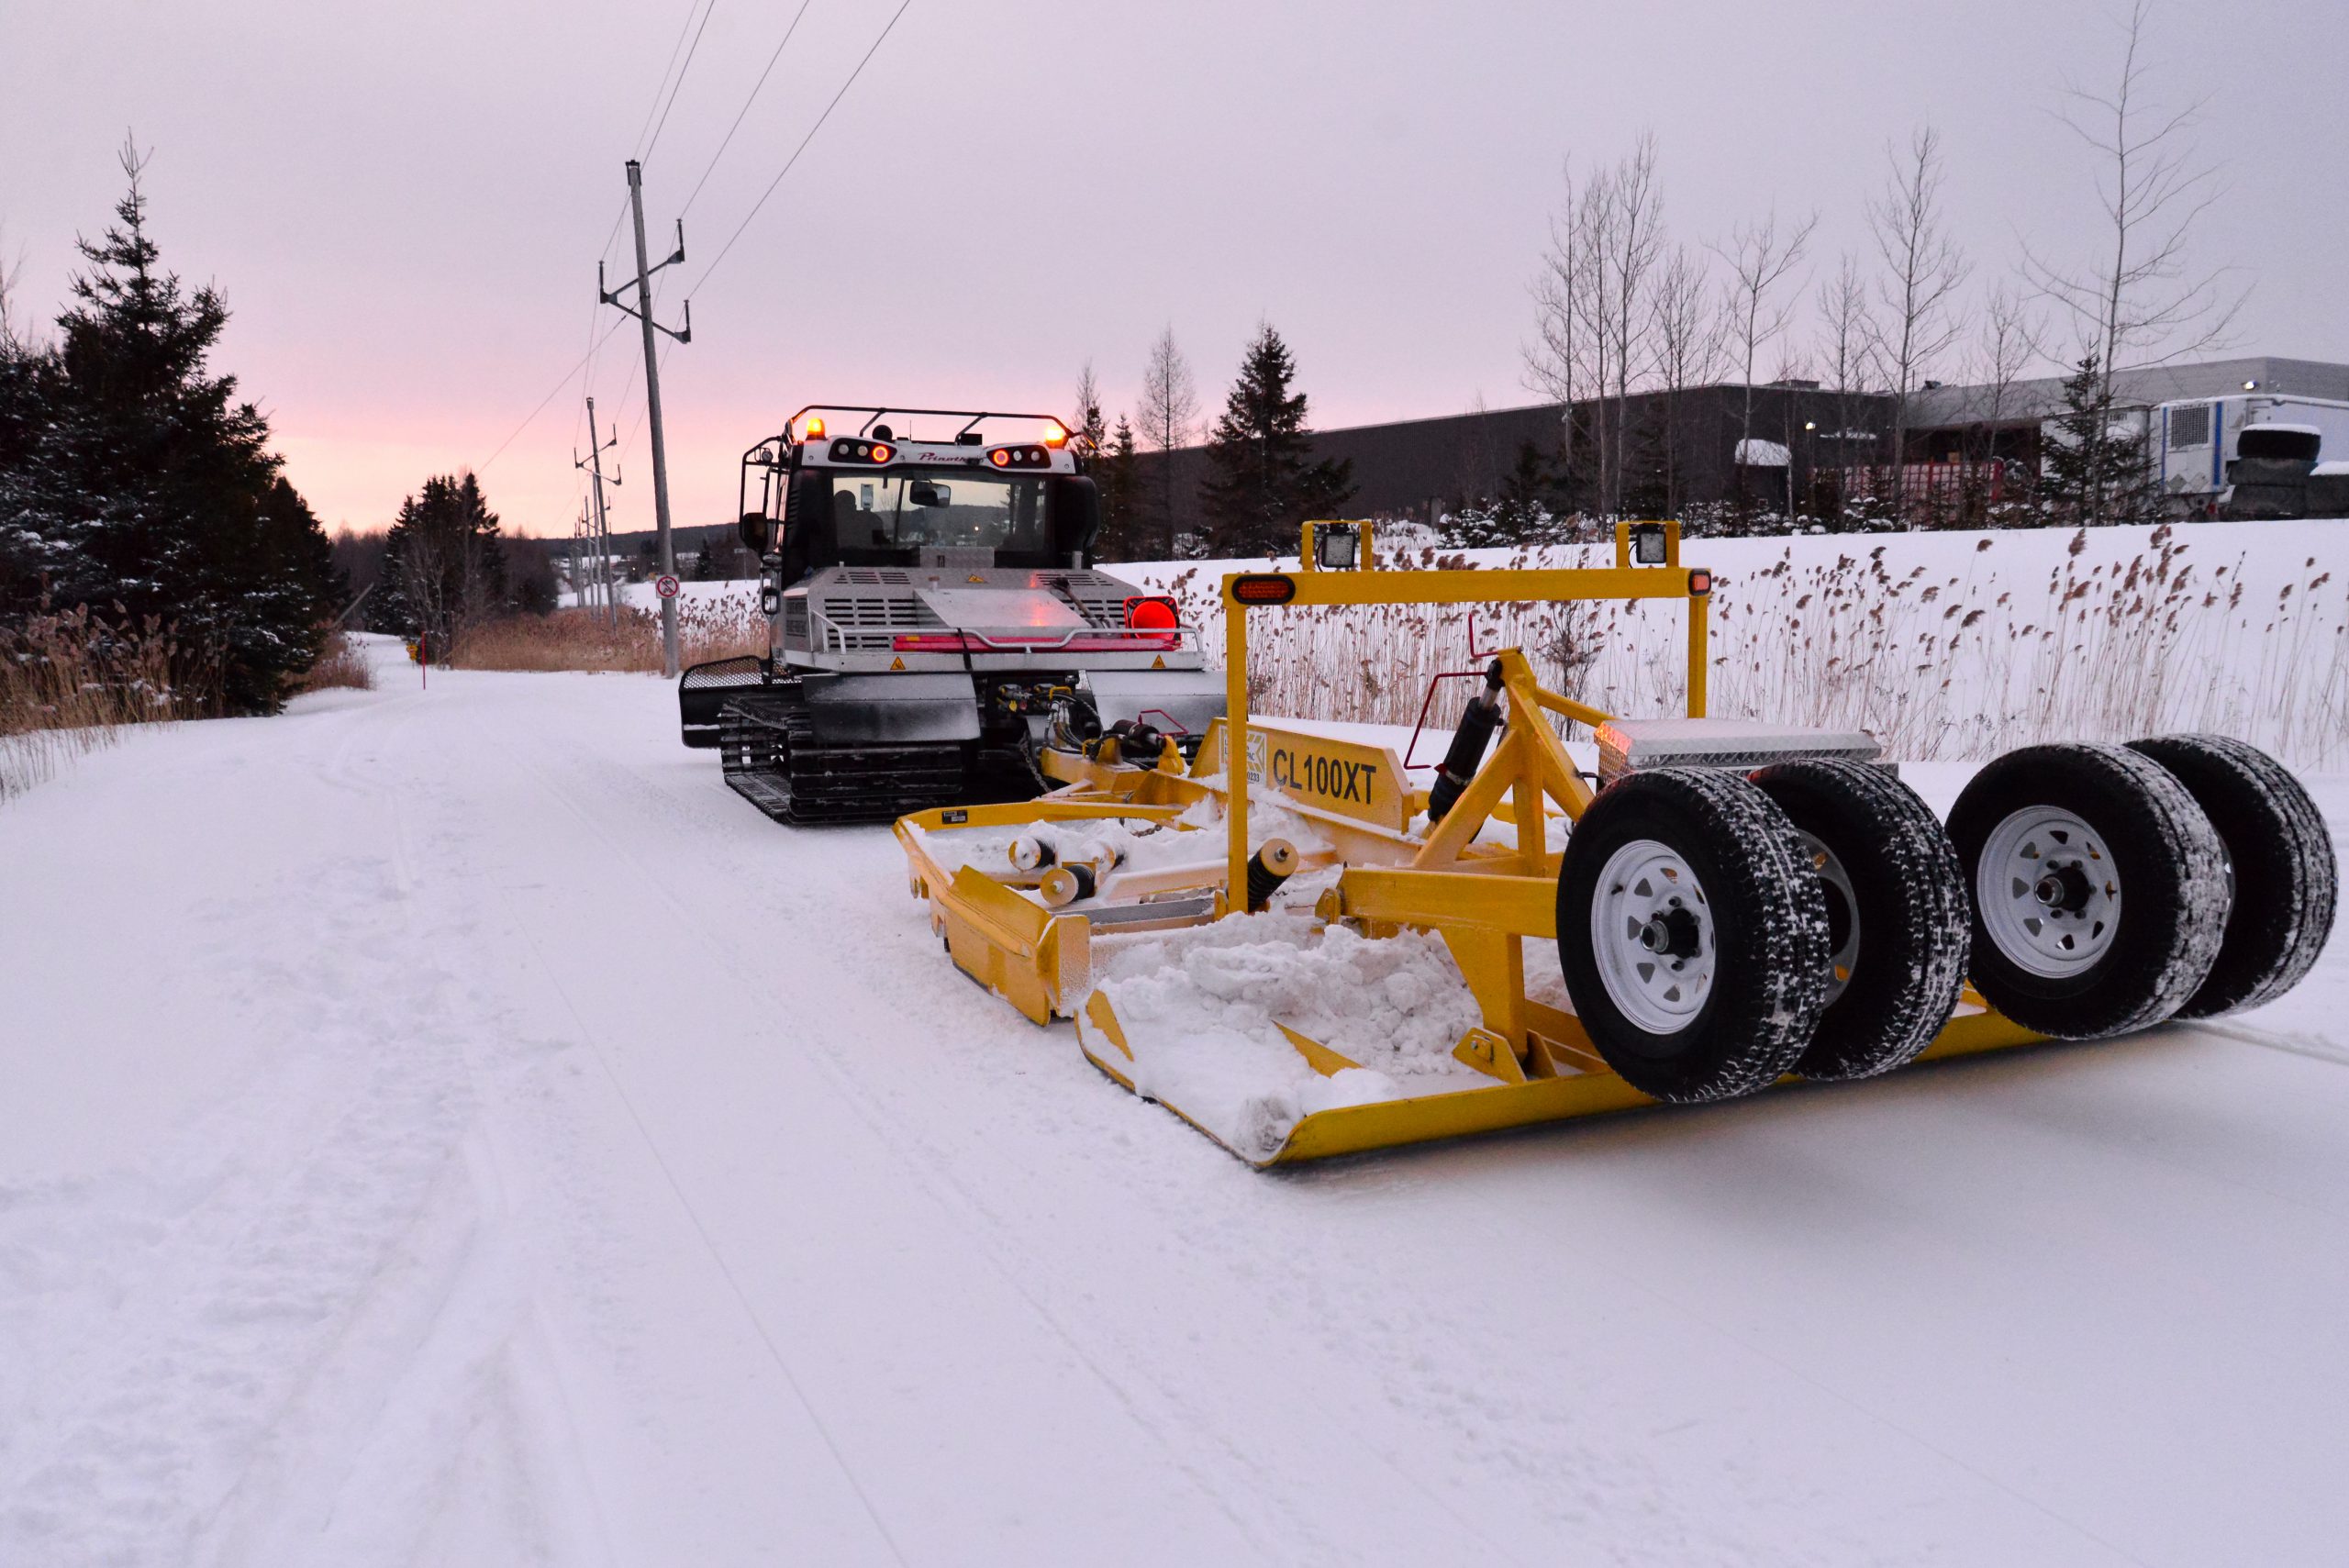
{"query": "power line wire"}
(604, 251)
(678, 86)
(587, 358)
(549, 398)
(745, 109)
(691, 6)
(800, 148)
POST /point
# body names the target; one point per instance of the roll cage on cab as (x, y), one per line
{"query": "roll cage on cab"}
(881, 496)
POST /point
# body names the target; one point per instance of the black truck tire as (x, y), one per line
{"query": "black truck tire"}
(1693, 934)
(1896, 913)
(2286, 882)
(2098, 888)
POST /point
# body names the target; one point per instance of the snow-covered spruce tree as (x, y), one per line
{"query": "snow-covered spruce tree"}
(1474, 525)
(2097, 471)
(1123, 536)
(1262, 481)
(1521, 514)
(444, 565)
(28, 391)
(1528, 492)
(131, 477)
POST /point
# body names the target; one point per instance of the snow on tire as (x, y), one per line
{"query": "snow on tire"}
(2279, 858)
(1693, 934)
(2099, 889)
(1898, 913)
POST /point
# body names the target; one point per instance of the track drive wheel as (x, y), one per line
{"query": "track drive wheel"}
(1896, 913)
(2280, 860)
(2100, 888)
(1692, 933)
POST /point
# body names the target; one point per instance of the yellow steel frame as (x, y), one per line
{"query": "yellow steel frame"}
(1555, 585)
(1484, 900)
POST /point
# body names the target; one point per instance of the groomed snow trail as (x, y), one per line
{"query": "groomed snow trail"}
(451, 1128)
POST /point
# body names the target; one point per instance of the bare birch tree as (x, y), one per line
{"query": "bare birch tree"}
(1923, 269)
(1761, 257)
(2144, 302)
(1593, 321)
(1687, 349)
(1170, 407)
(1846, 350)
(1633, 234)
(1568, 356)
(2009, 340)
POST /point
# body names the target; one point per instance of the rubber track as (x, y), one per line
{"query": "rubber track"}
(772, 759)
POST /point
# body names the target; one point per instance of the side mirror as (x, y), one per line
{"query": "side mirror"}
(756, 530)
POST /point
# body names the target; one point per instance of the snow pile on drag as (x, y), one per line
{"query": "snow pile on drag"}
(1200, 1008)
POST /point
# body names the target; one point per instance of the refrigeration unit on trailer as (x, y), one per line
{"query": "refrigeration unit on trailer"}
(2249, 456)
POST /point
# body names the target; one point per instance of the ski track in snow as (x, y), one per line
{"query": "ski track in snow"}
(451, 1126)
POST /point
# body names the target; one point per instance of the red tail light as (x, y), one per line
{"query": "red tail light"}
(1152, 614)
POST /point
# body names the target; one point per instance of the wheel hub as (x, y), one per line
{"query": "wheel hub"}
(1652, 932)
(1674, 933)
(2048, 890)
(2065, 890)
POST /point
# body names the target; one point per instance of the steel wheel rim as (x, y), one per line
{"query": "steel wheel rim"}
(1652, 932)
(1836, 882)
(2049, 893)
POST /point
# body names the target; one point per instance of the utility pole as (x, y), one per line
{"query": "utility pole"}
(642, 311)
(599, 526)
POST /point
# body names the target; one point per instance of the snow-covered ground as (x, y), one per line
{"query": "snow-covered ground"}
(451, 1126)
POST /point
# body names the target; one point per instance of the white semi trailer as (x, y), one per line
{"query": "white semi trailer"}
(2197, 447)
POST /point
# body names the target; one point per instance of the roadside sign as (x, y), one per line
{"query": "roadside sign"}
(665, 586)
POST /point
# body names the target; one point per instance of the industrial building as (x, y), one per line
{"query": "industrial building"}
(1768, 445)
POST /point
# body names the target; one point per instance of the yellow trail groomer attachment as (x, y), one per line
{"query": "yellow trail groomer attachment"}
(1284, 941)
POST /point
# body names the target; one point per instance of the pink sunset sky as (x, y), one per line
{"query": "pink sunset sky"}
(403, 203)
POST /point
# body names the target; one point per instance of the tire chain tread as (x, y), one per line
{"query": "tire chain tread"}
(1772, 876)
(1925, 866)
(2308, 842)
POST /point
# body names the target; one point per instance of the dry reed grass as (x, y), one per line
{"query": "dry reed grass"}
(1938, 666)
(69, 680)
(718, 627)
(341, 663)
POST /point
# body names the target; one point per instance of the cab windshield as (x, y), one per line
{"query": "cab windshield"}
(960, 509)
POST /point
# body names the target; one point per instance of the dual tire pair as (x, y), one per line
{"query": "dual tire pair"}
(1718, 932)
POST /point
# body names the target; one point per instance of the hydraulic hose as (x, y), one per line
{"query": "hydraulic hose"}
(1468, 743)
